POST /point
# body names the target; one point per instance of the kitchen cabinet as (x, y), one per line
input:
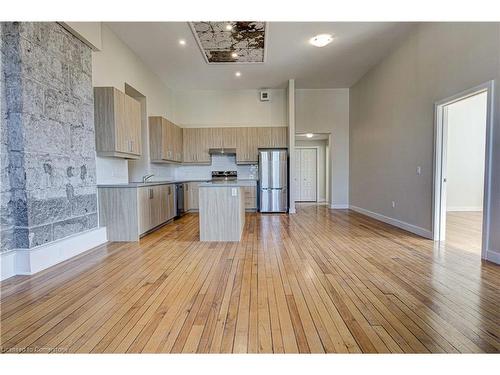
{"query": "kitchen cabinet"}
(279, 137)
(196, 142)
(250, 197)
(229, 136)
(117, 119)
(165, 140)
(129, 212)
(246, 145)
(193, 196)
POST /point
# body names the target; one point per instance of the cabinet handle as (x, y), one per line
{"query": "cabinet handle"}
(151, 193)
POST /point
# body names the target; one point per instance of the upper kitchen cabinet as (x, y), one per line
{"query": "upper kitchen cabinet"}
(229, 136)
(117, 118)
(247, 143)
(196, 143)
(279, 137)
(165, 141)
(272, 137)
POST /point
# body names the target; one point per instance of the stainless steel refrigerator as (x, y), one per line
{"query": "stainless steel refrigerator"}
(273, 180)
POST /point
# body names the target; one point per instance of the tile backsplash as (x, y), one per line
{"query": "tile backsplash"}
(219, 163)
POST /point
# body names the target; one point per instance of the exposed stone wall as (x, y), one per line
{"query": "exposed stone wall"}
(48, 172)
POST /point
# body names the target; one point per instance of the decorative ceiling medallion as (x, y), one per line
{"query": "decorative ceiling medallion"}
(231, 42)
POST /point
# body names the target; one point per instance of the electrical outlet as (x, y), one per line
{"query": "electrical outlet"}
(393, 204)
(234, 192)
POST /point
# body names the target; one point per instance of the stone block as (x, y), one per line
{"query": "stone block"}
(80, 84)
(82, 142)
(48, 210)
(40, 235)
(84, 204)
(75, 225)
(43, 135)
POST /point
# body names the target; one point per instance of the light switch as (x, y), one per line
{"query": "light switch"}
(234, 192)
(419, 170)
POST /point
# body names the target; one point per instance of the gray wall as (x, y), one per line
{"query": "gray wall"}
(48, 173)
(392, 118)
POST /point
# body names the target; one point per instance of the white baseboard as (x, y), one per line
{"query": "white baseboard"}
(336, 206)
(464, 208)
(397, 223)
(31, 261)
(493, 256)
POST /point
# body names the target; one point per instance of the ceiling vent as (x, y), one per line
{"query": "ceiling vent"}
(265, 96)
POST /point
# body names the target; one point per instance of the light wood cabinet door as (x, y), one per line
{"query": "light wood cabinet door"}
(144, 203)
(203, 138)
(194, 195)
(170, 191)
(133, 124)
(117, 119)
(229, 136)
(189, 145)
(247, 144)
(185, 187)
(121, 127)
(264, 136)
(165, 140)
(279, 137)
(250, 197)
(216, 138)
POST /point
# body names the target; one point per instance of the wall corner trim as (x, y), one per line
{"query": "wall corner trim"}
(397, 223)
(30, 261)
(493, 256)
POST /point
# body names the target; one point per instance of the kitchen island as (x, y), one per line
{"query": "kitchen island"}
(222, 210)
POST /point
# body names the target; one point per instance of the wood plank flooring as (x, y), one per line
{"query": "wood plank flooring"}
(319, 281)
(464, 230)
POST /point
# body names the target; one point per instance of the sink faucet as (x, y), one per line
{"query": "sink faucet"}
(147, 177)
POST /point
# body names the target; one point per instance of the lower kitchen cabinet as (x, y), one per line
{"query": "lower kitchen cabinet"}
(250, 196)
(129, 212)
(192, 196)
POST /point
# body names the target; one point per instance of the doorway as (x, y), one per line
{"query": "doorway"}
(306, 174)
(462, 169)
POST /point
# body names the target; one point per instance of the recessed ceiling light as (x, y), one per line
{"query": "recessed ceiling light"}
(237, 74)
(309, 135)
(182, 42)
(321, 40)
(234, 55)
(229, 27)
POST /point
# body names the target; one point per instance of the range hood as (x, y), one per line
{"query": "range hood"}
(222, 151)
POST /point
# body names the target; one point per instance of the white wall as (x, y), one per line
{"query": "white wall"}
(465, 156)
(114, 65)
(392, 119)
(220, 108)
(327, 111)
(321, 167)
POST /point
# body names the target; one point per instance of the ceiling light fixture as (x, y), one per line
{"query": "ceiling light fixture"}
(229, 27)
(237, 74)
(182, 42)
(321, 40)
(309, 135)
(234, 55)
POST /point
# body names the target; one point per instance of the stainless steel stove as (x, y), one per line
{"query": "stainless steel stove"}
(224, 175)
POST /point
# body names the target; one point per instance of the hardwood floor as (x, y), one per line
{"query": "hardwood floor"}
(314, 282)
(464, 230)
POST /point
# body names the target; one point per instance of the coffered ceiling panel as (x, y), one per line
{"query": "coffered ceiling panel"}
(229, 42)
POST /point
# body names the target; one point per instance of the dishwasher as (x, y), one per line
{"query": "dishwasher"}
(179, 200)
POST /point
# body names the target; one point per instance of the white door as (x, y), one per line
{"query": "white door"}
(305, 174)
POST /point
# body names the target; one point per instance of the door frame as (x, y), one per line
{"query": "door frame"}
(317, 164)
(440, 121)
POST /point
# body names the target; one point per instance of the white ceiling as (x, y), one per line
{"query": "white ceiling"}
(357, 47)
